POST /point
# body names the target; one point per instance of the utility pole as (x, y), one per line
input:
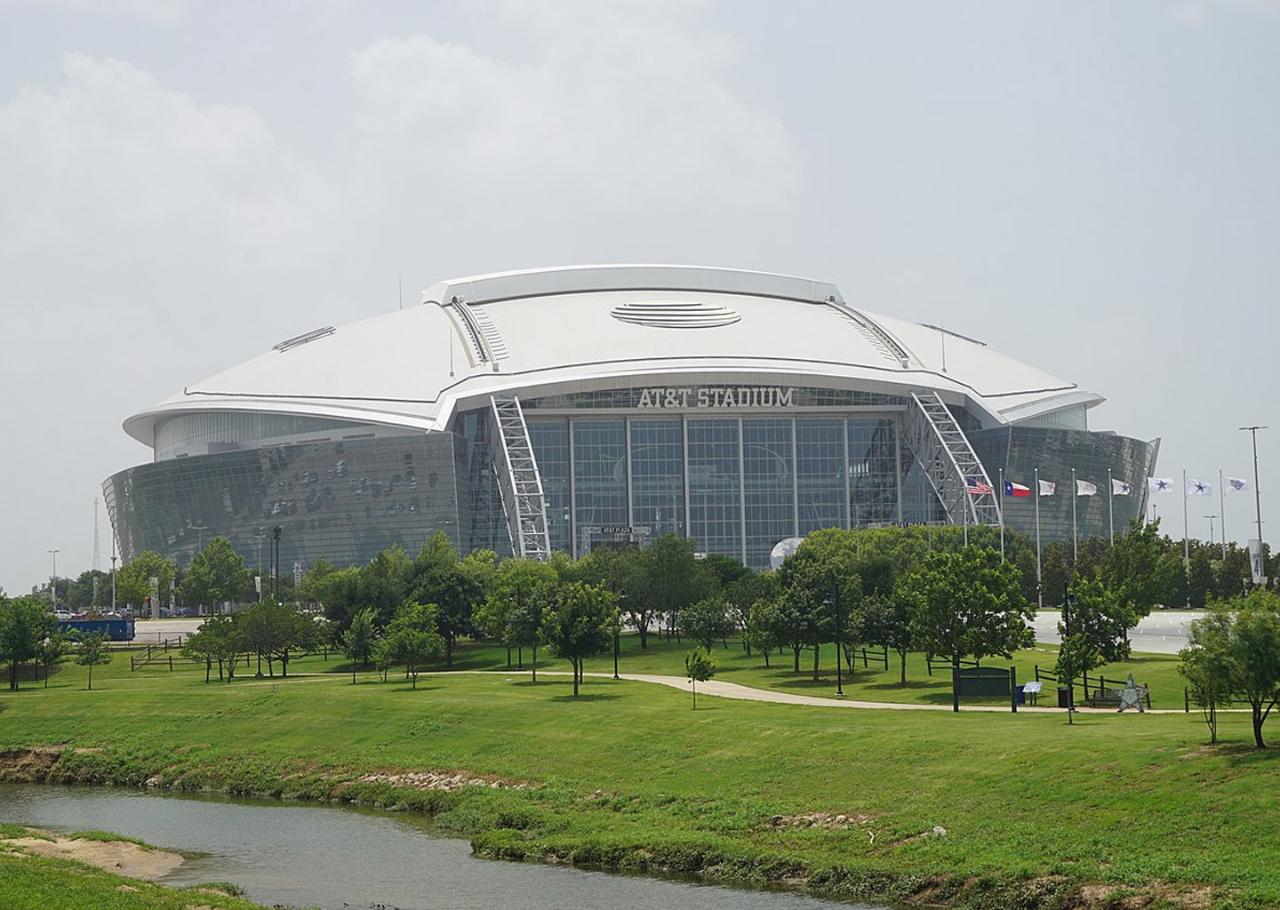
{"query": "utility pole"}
(275, 563)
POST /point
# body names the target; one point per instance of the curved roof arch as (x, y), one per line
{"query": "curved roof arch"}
(579, 327)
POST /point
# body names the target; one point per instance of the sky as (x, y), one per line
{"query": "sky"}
(1091, 187)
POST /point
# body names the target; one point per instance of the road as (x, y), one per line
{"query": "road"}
(1163, 632)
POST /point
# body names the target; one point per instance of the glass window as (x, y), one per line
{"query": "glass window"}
(599, 474)
(657, 476)
(873, 472)
(769, 494)
(820, 473)
(715, 502)
(550, 438)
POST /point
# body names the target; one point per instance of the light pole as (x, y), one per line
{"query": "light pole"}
(1211, 520)
(53, 582)
(1257, 494)
(839, 652)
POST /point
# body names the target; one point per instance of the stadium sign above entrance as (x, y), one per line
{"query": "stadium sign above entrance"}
(716, 397)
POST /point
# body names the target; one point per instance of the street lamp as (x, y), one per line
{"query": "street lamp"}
(1257, 493)
(275, 563)
(53, 582)
(1211, 520)
(839, 650)
(617, 629)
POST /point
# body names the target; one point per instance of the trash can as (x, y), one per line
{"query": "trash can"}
(1064, 697)
(1019, 696)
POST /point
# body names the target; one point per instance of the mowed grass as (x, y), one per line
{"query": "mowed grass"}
(629, 766)
(35, 883)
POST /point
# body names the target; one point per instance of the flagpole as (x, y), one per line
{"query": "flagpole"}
(1039, 578)
(1111, 507)
(1222, 511)
(1000, 499)
(1186, 539)
(1075, 536)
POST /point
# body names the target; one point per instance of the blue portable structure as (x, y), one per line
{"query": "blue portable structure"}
(114, 629)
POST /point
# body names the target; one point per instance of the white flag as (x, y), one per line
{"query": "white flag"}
(1084, 488)
(1119, 488)
(1237, 485)
(1198, 487)
(1047, 487)
(1160, 485)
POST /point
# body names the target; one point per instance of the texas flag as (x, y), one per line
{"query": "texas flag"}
(1015, 489)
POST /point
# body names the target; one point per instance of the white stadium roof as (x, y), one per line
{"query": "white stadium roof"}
(569, 329)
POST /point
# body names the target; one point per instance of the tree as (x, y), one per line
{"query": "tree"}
(454, 586)
(671, 579)
(359, 639)
(411, 638)
(1256, 655)
(699, 667)
(1208, 665)
(514, 585)
(886, 622)
(1094, 612)
(24, 624)
(1133, 570)
(765, 626)
(580, 624)
(968, 602)
(706, 621)
(625, 572)
(275, 631)
(51, 651)
(92, 652)
(133, 580)
(216, 575)
(741, 596)
(821, 584)
(1077, 655)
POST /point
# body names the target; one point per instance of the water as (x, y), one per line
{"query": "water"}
(339, 858)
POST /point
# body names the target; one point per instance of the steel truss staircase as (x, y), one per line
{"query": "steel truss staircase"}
(948, 460)
(519, 481)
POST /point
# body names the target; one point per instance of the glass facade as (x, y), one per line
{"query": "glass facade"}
(343, 501)
(736, 483)
(1020, 451)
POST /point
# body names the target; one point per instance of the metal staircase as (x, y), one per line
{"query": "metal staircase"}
(519, 481)
(948, 460)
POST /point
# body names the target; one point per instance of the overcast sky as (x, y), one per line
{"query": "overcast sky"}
(1091, 187)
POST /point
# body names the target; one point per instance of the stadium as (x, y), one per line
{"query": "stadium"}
(563, 408)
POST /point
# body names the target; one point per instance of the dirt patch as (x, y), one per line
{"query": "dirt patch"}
(447, 781)
(827, 820)
(118, 856)
(28, 766)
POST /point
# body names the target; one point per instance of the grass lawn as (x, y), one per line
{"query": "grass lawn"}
(36, 883)
(629, 777)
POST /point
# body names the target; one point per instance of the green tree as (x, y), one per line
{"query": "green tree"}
(1095, 613)
(1077, 655)
(579, 624)
(92, 651)
(706, 621)
(24, 624)
(625, 572)
(501, 616)
(275, 631)
(886, 622)
(671, 579)
(133, 580)
(359, 639)
(1133, 569)
(821, 584)
(217, 575)
(968, 602)
(1208, 664)
(766, 626)
(455, 586)
(412, 639)
(51, 651)
(1256, 655)
(698, 667)
(742, 594)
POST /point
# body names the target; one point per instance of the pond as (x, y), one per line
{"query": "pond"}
(340, 858)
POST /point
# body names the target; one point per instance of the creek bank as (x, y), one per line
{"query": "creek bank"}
(122, 857)
(525, 822)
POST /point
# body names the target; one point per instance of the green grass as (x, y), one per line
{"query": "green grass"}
(35, 883)
(108, 837)
(629, 777)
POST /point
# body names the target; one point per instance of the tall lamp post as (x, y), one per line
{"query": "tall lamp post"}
(617, 631)
(53, 582)
(839, 650)
(1257, 493)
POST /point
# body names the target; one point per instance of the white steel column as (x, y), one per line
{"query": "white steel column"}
(742, 488)
(688, 514)
(897, 465)
(626, 422)
(573, 496)
(795, 482)
(848, 506)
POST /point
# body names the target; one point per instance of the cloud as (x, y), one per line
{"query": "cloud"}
(110, 171)
(616, 108)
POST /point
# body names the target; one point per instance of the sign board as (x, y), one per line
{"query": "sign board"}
(715, 398)
(1256, 564)
(1031, 688)
(982, 682)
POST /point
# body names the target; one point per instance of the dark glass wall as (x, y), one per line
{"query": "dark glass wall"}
(1021, 450)
(343, 501)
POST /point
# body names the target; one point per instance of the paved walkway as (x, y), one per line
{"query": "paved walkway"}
(747, 693)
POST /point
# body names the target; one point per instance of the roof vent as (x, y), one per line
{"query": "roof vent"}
(675, 314)
(299, 340)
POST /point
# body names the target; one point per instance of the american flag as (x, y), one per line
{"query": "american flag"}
(975, 487)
